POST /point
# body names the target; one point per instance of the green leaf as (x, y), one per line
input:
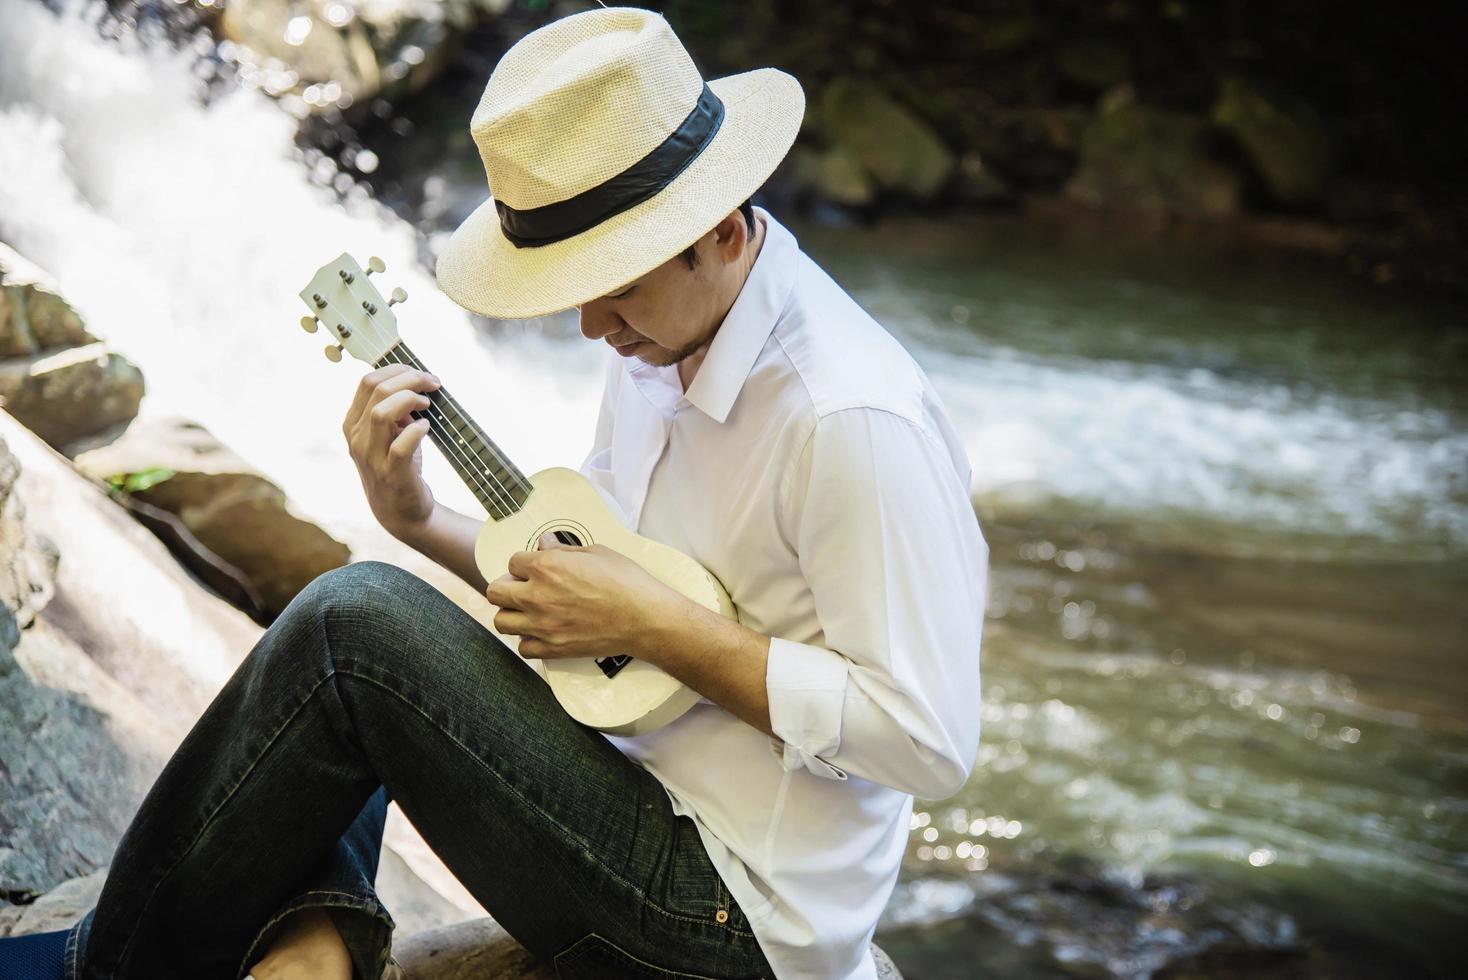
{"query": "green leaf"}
(139, 481)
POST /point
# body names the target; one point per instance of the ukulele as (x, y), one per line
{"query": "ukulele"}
(617, 694)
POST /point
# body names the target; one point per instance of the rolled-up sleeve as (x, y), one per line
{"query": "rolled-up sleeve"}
(878, 509)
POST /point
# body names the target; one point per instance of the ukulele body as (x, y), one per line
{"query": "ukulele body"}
(636, 697)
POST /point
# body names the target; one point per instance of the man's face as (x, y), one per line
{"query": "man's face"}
(672, 311)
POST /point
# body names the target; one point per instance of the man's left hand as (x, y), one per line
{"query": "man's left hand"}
(565, 601)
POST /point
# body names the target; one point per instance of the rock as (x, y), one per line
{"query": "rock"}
(59, 908)
(835, 175)
(1093, 63)
(475, 950)
(33, 316)
(481, 950)
(27, 561)
(892, 144)
(70, 394)
(1033, 149)
(232, 510)
(979, 186)
(76, 753)
(334, 53)
(1287, 143)
(1134, 157)
(1006, 35)
(103, 683)
(54, 376)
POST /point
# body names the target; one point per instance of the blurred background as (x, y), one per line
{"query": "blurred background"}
(1190, 276)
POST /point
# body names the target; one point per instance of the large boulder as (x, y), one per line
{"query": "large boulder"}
(33, 316)
(72, 394)
(478, 949)
(833, 174)
(55, 376)
(76, 746)
(230, 508)
(1138, 158)
(890, 142)
(1287, 143)
(481, 950)
(27, 560)
(110, 653)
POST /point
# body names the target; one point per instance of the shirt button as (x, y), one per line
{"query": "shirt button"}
(721, 916)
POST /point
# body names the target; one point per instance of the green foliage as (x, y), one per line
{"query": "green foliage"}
(140, 481)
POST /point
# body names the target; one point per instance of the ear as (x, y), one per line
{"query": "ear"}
(731, 236)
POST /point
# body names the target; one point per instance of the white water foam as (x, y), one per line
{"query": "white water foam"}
(182, 233)
(1155, 442)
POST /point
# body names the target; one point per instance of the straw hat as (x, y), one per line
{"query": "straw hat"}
(607, 154)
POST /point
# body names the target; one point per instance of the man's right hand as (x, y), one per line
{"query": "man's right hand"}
(386, 443)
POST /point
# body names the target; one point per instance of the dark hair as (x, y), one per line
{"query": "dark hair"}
(746, 209)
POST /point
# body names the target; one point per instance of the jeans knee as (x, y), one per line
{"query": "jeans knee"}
(360, 583)
(361, 589)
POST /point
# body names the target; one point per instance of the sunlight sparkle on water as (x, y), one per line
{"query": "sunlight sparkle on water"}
(297, 29)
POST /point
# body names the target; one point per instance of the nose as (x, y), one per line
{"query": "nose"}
(598, 320)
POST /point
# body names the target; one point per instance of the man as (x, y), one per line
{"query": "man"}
(753, 417)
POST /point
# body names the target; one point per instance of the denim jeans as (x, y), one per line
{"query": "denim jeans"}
(372, 686)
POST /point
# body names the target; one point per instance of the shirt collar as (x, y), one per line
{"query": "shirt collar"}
(740, 337)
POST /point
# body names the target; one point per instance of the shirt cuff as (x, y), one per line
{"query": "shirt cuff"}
(806, 685)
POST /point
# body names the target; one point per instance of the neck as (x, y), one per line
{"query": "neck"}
(495, 481)
(688, 367)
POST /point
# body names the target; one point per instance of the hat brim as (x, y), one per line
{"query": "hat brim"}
(483, 271)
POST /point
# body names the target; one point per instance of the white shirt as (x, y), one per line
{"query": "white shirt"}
(812, 469)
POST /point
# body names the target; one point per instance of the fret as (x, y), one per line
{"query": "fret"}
(496, 482)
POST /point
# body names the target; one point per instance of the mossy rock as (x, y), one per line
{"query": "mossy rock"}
(1139, 158)
(1287, 143)
(889, 141)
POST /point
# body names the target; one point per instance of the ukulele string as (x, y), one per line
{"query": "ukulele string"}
(448, 435)
(496, 456)
(451, 442)
(511, 471)
(461, 454)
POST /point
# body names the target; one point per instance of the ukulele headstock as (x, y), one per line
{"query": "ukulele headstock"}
(343, 299)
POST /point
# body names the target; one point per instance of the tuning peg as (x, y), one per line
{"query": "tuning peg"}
(333, 352)
(309, 323)
(375, 264)
(399, 295)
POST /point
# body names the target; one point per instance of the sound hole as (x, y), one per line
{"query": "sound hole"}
(567, 538)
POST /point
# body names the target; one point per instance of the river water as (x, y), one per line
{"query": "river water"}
(1224, 701)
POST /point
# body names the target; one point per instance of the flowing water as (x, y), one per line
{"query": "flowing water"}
(1225, 724)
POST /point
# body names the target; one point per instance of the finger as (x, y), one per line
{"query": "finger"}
(383, 416)
(369, 396)
(507, 592)
(408, 439)
(366, 385)
(521, 562)
(512, 622)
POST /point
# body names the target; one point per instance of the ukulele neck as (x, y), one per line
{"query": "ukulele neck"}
(488, 473)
